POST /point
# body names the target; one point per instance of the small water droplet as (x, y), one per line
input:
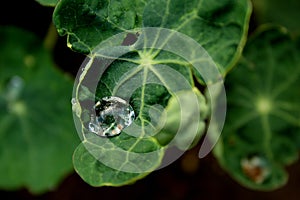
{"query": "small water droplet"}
(14, 88)
(113, 114)
(16, 82)
(255, 168)
(73, 101)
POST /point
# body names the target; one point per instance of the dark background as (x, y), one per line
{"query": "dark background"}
(187, 178)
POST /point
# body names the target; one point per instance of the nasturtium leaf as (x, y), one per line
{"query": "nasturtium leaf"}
(159, 86)
(88, 22)
(48, 2)
(219, 26)
(36, 129)
(262, 131)
(95, 173)
(186, 136)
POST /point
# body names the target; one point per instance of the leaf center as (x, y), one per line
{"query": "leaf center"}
(263, 105)
(147, 59)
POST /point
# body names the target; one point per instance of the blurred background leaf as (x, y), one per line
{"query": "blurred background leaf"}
(262, 130)
(37, 134)
(48, 2)
(285, 13)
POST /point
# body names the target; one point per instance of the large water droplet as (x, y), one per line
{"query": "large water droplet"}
(113, 114)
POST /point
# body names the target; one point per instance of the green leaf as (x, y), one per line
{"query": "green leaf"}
(96, 173)
(158, 84)
(261, 134)
(88, 22)
(219, 26)
(48, 2)
(279, 12)
(37, 135)
(183, 124)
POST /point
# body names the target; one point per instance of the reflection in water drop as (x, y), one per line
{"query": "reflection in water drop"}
(113, 114)
(94, 126)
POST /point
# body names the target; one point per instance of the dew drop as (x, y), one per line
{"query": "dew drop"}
(14, 88)
(16, 83)
(113, 114)
(73, 101)
(255, 168)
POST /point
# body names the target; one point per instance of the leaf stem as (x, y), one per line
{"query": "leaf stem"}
(267, 135)
(51, 37)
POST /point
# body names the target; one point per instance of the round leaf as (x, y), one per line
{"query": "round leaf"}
(155, 82)
(37, 134)
(261, 134)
